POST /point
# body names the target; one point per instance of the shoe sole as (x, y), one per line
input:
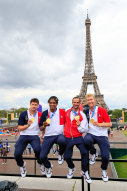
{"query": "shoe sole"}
(104, 180)
(26, 171)
(85, 178)
(94, 161)
(72, 174)
(60, 163)
(51, 171)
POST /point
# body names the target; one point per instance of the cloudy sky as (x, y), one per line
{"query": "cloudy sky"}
(42, 50)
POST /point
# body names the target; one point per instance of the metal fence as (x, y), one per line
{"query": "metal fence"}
(64, 177)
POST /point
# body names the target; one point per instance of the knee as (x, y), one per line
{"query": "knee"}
(105, 156)
(86, 141)
(62, 141)
(17, 154)
(37, 150)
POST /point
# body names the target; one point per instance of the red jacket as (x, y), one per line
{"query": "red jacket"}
(70, 129)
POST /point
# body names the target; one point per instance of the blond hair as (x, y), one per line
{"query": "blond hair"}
(89, 95)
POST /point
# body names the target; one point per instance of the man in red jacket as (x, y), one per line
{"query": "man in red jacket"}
(75, 125)
(99, 122)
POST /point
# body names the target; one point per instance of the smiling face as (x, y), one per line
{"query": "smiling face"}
(33, 106)
(90, 102)
(52, 105)
(76, 103)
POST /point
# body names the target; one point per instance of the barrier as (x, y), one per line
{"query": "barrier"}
(65, 177)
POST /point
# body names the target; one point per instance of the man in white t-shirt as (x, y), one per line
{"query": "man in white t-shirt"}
(99, 121)
(28, 125)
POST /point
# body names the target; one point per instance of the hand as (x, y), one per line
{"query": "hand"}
(95, 123)
(45, 124)
(78, 123)
(29, 122)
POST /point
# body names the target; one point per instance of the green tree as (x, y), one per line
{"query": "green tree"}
(117, 113)
(3, 114)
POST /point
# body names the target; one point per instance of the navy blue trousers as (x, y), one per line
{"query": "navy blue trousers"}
(47, 145)
(78, 141)
(22, 143)
(103, 144)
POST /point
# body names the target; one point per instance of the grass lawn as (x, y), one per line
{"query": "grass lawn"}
(124, 132)
(121, 167)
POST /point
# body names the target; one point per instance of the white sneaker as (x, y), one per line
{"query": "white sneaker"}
(23, 170)
(93, 158)
(42, 169)
(3, 163)
(49, 171)
(104, 175)
(86, 176)
(60, 159)
(71, 172)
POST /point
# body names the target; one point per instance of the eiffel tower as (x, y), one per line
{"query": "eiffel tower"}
(89, 73)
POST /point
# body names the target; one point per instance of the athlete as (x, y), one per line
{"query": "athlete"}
(28, 125)
(52, 121)
(99, 122)
(75, 125)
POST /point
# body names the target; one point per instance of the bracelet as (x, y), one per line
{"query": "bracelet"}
(100, 124)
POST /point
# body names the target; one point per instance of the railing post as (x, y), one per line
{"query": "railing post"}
(82, 183)
(35, 166)
(88, 185)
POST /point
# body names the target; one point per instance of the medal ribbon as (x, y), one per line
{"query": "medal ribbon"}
(92, 113)
(74, 112)
(33, 115)
(52, 114)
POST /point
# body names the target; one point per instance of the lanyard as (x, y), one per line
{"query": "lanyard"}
(74, 112)
(33, 115)
(92, 113)
(52, 114)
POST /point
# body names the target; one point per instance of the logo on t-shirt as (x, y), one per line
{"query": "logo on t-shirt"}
(26, 117)
(99, 115)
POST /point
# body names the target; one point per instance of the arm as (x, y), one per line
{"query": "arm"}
(106, 120)
(24, 127)
(22, 124)
(83, 125)
(108, 124)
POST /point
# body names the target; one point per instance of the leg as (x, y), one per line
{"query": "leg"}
(45, 149)
(61, 141)
(68, 152)
(20, 146)
(84, 154)
(89, 142)
(105, 150)
(35, 143)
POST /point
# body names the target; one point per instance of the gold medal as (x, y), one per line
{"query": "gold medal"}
(33, 119)
(48, 121)
(76, 117)
(91, 121)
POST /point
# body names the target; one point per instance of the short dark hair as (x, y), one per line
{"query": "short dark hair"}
(53, 97)
(34, 100)
(76, 97)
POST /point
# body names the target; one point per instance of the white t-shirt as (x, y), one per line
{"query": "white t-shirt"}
(54, 128)
(33, 129)
(94, 130)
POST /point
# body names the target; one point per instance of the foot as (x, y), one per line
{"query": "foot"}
(71, 172)
(104, 175)
(93, 159)
(49, 171)
(86, 176)
(23, 170)
(42, 169)
(60, 159)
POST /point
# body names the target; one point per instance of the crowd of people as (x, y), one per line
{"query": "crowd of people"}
(65, 129)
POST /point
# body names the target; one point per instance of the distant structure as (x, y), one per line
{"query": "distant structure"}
(89, 73)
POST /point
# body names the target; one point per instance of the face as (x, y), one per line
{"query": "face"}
(90, 101)
(33, 106)
(76, 103)
(52, 104)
